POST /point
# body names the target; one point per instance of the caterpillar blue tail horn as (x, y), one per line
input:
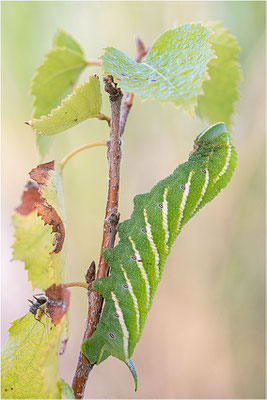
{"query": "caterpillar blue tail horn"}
(131, 367)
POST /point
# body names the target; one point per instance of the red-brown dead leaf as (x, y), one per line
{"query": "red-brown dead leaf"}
(58, 302)
(30, 196)
(49, 215)
(40, 174)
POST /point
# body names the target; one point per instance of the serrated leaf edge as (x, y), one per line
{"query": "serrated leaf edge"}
(235, 61)
(190, 110)
(13, 258)
(31, 122)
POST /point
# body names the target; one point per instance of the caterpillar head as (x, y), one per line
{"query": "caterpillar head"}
(210, 136)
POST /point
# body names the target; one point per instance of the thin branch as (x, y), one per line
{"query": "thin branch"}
(141, 50)
(109, 231)
(83, 366)
(128, 97)
(129, 101)
(81, 148)
(95, 301)
(114, 158)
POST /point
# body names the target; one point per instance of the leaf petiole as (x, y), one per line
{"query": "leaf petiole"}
(94, 62)
(104, 117)
(83, 147)
(79, 284)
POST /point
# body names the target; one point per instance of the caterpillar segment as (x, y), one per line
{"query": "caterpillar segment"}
(146, 238)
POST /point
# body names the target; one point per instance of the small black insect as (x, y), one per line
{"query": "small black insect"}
(37, 305)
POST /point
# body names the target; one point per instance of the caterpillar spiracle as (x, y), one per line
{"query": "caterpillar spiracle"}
(137, 262)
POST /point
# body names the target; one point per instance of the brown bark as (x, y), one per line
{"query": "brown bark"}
(84, 367)
(118, 121)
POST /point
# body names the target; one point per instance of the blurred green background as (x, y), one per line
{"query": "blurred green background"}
(204, 337)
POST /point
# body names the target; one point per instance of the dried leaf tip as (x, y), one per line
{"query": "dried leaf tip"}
(40, 174)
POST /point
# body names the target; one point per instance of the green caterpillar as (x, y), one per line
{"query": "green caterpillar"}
(145, 241)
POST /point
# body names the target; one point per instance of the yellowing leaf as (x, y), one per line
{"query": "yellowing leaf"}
(44, 253)
(174, 71)
(221, 91)
(83, 104)
(49, 363)
(33, 245)
(31, 346)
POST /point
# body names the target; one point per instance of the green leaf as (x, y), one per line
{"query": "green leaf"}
(43, 253)
(30, 348)
(66, 389)
(44, 144)
(174, 71)
(83, 104)
(55, 78)
(221, 91)
(63, 39)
